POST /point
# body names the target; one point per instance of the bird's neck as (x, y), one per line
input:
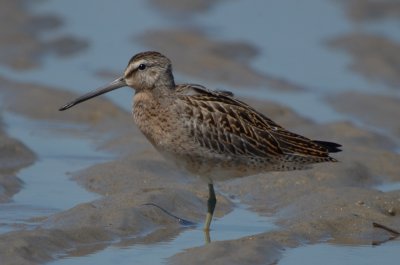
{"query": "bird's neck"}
(149, 110)
(164, 81)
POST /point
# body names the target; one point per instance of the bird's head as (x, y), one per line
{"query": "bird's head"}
(145, 71)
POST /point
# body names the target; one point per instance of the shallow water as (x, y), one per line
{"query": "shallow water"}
(293, 46)
(277, 29)
(110, 48)
(238, 223)
(281, 37)
(329, 254)
(47, 188)
(387, 187)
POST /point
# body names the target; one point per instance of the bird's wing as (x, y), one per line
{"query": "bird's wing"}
(221, 123)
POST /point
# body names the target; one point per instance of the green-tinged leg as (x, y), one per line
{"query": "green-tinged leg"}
(207, 238)
(212, 201)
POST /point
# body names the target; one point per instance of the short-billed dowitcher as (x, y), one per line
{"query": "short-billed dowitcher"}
(209, 133)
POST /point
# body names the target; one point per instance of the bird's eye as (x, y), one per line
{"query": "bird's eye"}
(142, 66)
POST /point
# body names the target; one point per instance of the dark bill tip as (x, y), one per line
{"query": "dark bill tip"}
(66, 106)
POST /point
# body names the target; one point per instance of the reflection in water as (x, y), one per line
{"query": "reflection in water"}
(238, 223)
(180, 220)
(291, 42)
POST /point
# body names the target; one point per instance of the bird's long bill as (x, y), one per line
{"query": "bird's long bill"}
(117, 83)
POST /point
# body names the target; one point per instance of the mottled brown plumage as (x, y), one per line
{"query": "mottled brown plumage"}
(209, 133)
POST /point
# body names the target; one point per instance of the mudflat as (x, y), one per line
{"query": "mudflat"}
(337, 203)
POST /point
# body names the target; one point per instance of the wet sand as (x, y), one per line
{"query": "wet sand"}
(336, 203)
(14, 156)
(332, 201)
(221, 62)
(21, 46)
(361, 11)
(370, 53)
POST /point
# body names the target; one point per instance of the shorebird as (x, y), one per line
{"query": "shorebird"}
(209, 133)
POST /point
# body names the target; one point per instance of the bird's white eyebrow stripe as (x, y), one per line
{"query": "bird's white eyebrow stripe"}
(130, 71)
(134, 67)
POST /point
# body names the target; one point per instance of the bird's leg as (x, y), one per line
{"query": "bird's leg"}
(211, 202)
(207, 238)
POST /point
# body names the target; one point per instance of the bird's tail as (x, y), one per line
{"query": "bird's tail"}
(331, 147)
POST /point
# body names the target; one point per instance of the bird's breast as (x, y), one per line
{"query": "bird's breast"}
(156, 120)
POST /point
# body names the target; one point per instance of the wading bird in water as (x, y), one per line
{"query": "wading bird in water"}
(209, 133)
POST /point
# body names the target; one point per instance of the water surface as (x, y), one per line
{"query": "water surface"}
(239, 223)
(329, 254)
(47, 187)
(291, 38)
